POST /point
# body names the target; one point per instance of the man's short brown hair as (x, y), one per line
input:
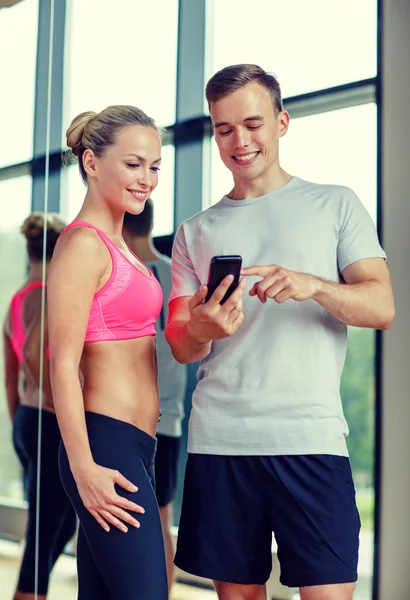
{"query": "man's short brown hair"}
(232, 78)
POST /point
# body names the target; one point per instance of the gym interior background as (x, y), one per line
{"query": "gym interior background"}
(344, 71)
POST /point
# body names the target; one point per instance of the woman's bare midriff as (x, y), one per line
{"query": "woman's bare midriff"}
(31, 397)
(29, 392)
(120, 381)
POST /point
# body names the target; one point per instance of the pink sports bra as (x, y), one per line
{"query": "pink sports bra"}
(128, 305)
(18, 333)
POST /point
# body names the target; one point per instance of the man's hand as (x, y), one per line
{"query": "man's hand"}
(280, 284)
(211, 320)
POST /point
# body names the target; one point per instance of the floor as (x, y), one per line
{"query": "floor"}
(63, 584)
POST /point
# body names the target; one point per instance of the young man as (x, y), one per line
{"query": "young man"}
(267, 450)
(172, 376)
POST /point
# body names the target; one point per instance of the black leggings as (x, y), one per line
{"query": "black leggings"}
(57, 520)
(116, 565)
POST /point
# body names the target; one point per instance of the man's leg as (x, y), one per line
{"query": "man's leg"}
(316, 523)
(166, 521)
(22, 596)
(224, 534)
(338, 591)
(233, 591)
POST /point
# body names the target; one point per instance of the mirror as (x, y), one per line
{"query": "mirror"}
(13, 269)
(25, 156)
(18, 28)
(34, 511)
(34, 182)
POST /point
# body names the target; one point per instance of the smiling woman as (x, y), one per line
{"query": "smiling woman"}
(108, 423)
(72, 193)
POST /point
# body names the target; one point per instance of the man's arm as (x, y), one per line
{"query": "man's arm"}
(185, 348)
(364, 300)
(367, 299)
(193, 325)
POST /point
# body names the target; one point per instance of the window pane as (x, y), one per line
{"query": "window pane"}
(321, 148)
(163, 196)
(358, 394)
(309, 45)
(221, 177)
(18, 49)
(121, 55)
(16, 194)
(73, 193)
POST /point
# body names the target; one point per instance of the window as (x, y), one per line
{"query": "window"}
(335, 147)
(121, 55)
(17, 194)
(163, 196)
(340, 147)
(308, 45)
(18, 49)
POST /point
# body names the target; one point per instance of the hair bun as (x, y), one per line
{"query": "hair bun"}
(33, 226)
(75, 132)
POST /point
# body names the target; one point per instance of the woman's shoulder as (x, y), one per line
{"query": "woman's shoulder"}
(78, 238)
(79, 250)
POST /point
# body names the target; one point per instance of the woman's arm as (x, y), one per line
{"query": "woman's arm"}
(78, 264)
(11, 371)
(74, 273)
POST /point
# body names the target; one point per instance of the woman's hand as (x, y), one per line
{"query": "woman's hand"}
(97, 491)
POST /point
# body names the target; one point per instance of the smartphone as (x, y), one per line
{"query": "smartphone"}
(219, 268)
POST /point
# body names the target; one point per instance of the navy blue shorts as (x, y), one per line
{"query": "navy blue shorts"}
(166, 468)
(233, 504)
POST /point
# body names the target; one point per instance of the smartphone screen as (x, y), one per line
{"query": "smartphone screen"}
(219, 268)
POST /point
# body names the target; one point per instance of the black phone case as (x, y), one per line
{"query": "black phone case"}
(219, 268)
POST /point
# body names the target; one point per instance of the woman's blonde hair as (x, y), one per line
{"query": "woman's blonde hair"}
(33, 230)
(98, 131)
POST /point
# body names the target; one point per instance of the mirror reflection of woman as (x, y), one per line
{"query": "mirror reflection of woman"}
(22, 347)
(102, 307)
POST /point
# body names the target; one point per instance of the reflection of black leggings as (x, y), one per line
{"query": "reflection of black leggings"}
(57, 518)
(117, 565)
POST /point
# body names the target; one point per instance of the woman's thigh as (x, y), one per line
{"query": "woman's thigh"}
(131, 564)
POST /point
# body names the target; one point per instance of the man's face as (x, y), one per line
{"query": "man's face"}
(247, 131)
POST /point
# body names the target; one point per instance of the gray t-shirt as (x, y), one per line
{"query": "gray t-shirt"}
(274, 386)
(171, 374)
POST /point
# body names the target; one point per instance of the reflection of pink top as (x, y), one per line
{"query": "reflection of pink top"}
(128, 305)
(18, 333)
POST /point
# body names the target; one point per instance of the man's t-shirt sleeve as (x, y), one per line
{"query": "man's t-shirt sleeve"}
(185, 281)
(357, 233)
